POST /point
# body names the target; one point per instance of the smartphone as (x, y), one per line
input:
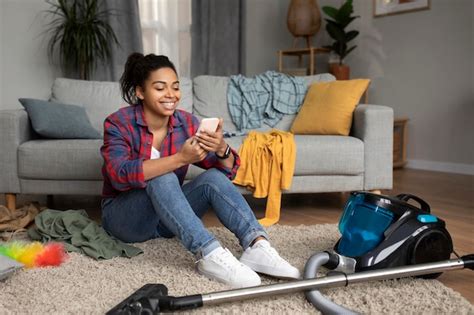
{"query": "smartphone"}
(208, 125)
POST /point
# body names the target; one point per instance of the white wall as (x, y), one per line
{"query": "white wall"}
(25, 69)
(420, 63)
(266, 32)
(426, 77)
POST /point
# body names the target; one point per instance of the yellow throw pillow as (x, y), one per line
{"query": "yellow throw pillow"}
(328, 107)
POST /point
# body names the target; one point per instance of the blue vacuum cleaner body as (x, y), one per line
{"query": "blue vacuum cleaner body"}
(382, 232)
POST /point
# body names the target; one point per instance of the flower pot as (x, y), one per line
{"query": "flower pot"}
(341, 72)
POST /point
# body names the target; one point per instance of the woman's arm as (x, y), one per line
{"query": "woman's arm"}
(163, 165)
(190, 152)
(126, 173)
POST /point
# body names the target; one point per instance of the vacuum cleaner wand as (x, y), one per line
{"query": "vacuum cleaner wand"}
(153, 298)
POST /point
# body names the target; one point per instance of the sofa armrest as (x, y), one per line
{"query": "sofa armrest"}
(373, 124)
(14, 130)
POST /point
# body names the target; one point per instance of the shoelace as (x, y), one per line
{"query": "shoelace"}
(225, 259)
(271, 251)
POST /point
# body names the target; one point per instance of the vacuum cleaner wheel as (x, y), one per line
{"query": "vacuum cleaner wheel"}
(432, 246)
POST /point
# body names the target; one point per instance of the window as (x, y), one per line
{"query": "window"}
(166, 30)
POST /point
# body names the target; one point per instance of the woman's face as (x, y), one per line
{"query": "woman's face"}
(160, 93)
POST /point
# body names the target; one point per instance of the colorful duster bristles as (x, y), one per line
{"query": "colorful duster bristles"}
(35, 254)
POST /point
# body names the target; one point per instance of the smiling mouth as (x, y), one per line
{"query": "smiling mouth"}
(169, 105)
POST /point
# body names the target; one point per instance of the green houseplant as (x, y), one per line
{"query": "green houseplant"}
(81, 34)
(339, 19)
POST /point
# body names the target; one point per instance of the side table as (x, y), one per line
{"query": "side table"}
(300, 52)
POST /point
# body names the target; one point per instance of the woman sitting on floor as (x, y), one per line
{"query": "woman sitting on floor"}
(147, 149)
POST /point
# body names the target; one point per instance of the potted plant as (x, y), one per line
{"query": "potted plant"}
(336, 25)
(81, 34)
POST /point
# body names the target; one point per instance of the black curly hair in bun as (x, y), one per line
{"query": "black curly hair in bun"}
(137, 69)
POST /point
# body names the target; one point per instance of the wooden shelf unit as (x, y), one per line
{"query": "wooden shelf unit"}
(300, 52)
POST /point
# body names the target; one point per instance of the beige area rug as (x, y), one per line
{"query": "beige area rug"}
(85, 286)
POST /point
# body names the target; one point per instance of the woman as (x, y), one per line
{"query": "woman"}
(147, 149)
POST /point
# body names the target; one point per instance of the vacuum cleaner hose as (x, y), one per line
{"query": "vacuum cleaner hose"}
(468, 261)
(322, 303)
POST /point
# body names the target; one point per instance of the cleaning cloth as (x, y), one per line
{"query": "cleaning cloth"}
(18, 218)
(79, 234)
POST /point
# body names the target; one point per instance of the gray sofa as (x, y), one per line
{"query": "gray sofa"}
(31, 165)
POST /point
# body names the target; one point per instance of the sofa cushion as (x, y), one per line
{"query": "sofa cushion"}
(323, 155)
(60, 160)
(317, 155)
(101, 98)
(329, 155)
(59, 121)
(81, 159)
(98, 98)
(210, 99)
(328, 107)
(287, 120)
(322, 77)
(186, 88)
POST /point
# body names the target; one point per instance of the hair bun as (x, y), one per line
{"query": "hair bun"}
(134, 58)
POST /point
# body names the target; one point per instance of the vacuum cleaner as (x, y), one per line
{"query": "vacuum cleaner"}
(382, 237)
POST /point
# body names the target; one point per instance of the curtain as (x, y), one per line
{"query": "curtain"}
(125, 21)
(216, 47)
(166, 31)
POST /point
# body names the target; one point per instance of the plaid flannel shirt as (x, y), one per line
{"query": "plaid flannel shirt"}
(128, 142)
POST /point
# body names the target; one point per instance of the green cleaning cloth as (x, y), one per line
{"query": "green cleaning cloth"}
(79, 234)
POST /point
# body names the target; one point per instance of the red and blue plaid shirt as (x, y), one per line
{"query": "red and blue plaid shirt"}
(128, 142)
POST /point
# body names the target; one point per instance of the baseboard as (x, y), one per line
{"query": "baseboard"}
(458, 168)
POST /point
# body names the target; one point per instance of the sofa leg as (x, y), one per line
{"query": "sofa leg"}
(10, 200)
(376, 191)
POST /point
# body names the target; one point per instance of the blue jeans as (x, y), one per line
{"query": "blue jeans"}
(166, 209)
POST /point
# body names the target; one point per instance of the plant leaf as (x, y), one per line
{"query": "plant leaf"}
(330, 11)
(344, 11)
(80, 33)
(336, 32)
(351, 35)
(349, 20)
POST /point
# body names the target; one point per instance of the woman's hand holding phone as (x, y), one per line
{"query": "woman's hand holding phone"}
(209, 139)
(208, 125)
(191, 152)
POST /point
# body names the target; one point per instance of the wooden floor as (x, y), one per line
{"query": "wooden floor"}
(451, 197)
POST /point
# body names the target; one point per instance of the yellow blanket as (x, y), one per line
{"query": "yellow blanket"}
(267, 167)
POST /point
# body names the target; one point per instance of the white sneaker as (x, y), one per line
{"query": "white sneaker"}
(263, 258)
(222, 266)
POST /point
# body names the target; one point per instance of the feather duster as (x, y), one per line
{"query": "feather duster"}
(35, 254)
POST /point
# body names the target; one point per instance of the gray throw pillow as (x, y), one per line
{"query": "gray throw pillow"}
(59, 121)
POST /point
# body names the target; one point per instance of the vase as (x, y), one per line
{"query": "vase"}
(341, 72)
(303, 19)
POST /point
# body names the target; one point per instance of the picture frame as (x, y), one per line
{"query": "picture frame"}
(391, 7)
